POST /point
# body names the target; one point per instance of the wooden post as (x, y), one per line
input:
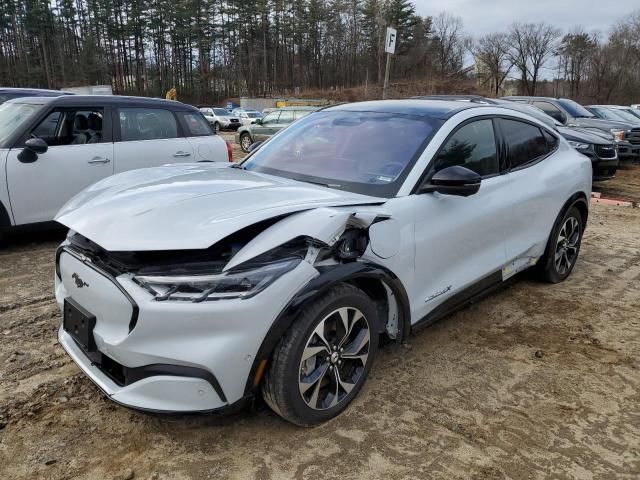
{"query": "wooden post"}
(386, 77)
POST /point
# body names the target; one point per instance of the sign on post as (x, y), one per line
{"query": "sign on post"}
(390, 43)
(390, 48)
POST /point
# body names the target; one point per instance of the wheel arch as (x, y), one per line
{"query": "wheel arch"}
(368, 277)
(5, 220)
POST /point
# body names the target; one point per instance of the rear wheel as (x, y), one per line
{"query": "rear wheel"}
(245, 142)
(563, 247)
(324, 359)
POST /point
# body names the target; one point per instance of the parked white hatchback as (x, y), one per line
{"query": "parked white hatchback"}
(53, 147)
(196, 287)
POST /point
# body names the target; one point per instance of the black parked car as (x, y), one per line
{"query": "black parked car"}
(572, 114)
(11, 93)
(596, 144)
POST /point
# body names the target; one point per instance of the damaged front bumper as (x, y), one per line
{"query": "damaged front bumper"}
(175, 356)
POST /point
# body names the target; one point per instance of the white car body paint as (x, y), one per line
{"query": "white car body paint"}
(129, 212)
(323, 224)
(436, 245)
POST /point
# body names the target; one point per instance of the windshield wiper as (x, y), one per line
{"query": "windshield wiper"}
(328, 185)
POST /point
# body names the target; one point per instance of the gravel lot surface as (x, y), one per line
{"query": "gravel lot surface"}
(538, 381)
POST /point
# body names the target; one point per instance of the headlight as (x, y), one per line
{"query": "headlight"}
(617, 134)
(579, 146)
(232, 284)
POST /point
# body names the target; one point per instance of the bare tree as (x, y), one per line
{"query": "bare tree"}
(493, 61)
(574, 54)
(448, 43)
(532, 45)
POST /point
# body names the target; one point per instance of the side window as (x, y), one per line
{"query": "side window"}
(147, 124)
(302, 113)
(525, 142)
(286, 117)
(196, 125)
(46, 130)
(71, 127)
(551, 110)
(271, 118)
(472, 146)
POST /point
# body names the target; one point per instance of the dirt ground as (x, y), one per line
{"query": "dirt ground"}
(538, 381)
(625, 186)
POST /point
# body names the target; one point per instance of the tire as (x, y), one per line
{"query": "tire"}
(562, 250)
(216, 128)
(245, 142)
(316, 331)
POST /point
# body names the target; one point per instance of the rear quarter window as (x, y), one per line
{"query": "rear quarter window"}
(195, 124)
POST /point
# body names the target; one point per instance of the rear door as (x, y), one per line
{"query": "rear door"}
(148, 137)
(80, 153)
(207, 146)
(535, 182)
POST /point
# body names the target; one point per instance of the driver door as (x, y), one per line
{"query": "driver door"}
(38, 190)
(459, 241)
(261, 131)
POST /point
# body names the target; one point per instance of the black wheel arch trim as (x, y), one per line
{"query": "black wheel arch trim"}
(577, 199)
(329, 276)
(5, 220)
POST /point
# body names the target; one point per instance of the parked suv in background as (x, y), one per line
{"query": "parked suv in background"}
(220, 119)
(247, 117)
(51, 148)
(11, 93)
(272, 123)
(571, 113)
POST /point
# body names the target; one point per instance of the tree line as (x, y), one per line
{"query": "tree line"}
(216, 49)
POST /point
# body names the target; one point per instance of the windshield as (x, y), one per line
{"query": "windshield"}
(363, 152)
(575, 109)
(221, 112)
(626, 115)
(254, 115)
(12, 117)
(606, 114)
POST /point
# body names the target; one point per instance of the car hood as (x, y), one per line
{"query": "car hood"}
(585, 136)
(189, 206)
(600, 123)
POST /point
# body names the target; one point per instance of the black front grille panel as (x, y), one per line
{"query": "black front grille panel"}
(606, 151)
(634, 136)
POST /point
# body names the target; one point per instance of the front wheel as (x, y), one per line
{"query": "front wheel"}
(563, 247)
(245, 142)
(322, 362)
(216, 128)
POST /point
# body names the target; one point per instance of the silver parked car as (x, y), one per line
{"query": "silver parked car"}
(271, 124)
(220, 119)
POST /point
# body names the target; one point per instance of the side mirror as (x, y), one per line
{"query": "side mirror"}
(455, 180)
(32, 148)
(254, 146)
(258, 121)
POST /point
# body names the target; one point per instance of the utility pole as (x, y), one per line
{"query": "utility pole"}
(390, 48)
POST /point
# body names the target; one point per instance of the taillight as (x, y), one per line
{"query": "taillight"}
(229, 151)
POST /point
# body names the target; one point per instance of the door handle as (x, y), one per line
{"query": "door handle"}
(99, 160)
(180, 154)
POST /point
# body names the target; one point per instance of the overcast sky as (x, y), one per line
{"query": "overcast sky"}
(484, 16)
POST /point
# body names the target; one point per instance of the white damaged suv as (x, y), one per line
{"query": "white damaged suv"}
(196, 287)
